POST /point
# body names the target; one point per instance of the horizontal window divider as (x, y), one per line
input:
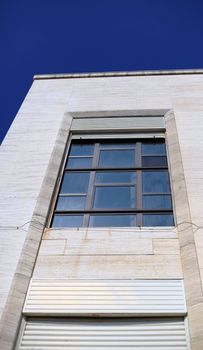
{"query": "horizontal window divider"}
(154, 155)
(116, 148)
(161, 167)
(109, 169)
(115, 184)
(80, 157)
(156, 193)
(72, 194)
(114, 211)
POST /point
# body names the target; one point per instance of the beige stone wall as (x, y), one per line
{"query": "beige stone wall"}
(30, 158)
(187, 100)
(24, 157)
(109, 253)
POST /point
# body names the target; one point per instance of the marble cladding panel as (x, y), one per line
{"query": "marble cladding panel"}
(25, 154)
(119, 93)
(113, 253)
(187, 98)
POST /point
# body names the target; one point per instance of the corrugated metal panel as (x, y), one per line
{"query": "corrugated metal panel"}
(105, 297)
(101, 333)
(118, 123)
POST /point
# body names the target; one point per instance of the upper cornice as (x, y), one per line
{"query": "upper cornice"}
(118, 74)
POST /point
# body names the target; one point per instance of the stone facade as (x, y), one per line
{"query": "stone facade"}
(31, 156)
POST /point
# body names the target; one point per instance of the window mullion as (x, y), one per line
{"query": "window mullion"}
(139, 183)
(85, 220)
(90, 191)
(96, 156)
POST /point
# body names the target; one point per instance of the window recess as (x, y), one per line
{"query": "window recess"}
(112, 183)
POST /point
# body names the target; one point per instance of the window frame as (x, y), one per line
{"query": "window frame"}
(139, 210)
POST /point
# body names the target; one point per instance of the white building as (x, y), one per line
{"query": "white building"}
(102, 250)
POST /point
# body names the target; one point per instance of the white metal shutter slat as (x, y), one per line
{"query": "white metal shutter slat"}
(105, 297)
(165, 334)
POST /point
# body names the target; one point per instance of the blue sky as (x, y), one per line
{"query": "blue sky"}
(62, 36)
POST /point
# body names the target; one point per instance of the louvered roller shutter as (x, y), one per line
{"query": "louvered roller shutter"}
(103, 333)
(49, 297)
(118, 123)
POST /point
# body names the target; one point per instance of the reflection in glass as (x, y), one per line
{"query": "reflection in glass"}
(114, 197)
(82, 150)
(75, 182)
(117, 176)
(154, 161)
(67, 221)
(155, 181)
(70, 202)
(157, 202)
(153, 148)
(117, 158)
(158, 220)
(112, 220)
(76, 163)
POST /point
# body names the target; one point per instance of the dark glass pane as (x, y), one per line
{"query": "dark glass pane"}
(117, 158)
(112, 220)
(75, 182)
(157, 202)
(153, 148)
(74, 163)
(67, 221)
(158, 220)
(114, 177)
(71, 202)
(114, 197)
(155, 181)
(154, 161)
(82, 150)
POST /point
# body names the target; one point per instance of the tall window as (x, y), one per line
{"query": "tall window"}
(115, 184)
